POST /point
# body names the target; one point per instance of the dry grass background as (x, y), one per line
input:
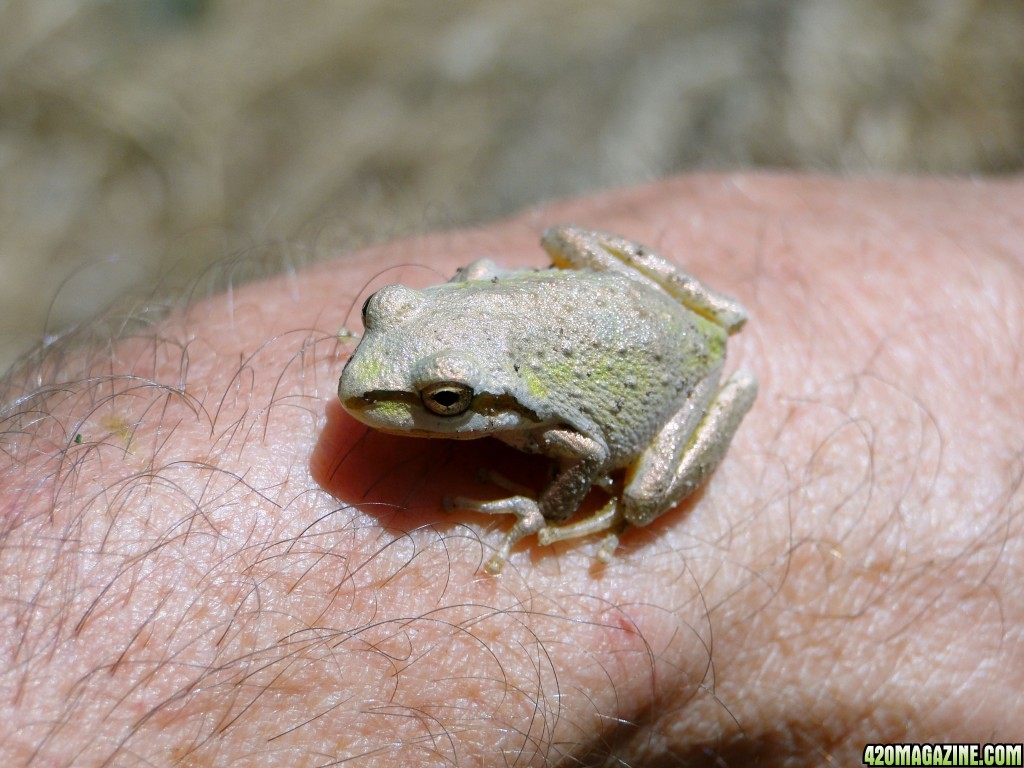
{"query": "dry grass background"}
(142, 140)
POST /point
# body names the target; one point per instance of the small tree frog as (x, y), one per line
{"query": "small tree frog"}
(609, 360)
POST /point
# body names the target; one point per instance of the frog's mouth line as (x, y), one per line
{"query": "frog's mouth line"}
(492, 414)
(484, 404)
(378, 396)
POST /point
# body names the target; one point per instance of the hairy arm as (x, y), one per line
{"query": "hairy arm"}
(204, 561)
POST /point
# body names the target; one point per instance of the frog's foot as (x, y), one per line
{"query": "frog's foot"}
(529, 520)
(346, 336)
(608, 517)
(606, 552)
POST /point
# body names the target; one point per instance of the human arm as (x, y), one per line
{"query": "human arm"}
(225, 566)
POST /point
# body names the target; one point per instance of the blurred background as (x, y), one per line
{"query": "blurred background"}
(143, 140)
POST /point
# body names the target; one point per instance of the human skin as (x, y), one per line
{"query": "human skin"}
(206, 562)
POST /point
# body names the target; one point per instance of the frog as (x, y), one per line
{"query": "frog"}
(609, 363)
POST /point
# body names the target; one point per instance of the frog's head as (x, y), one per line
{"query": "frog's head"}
(411, 374)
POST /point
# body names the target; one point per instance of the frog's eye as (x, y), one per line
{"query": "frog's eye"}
(447, 398)
(362, 312)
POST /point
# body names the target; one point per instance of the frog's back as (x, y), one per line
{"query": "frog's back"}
(597, 349)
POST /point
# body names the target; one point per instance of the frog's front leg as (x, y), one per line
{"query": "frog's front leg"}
(582, 461)
(529, 520)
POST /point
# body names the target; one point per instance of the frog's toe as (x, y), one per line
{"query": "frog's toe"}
(494, 565)
(606, 518)
(606, 553)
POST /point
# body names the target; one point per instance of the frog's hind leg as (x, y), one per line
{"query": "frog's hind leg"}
(688, 449)
(576, 247)
(609, 518)
(679, 459)
(650, 480)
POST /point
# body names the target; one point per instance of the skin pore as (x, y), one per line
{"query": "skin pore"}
(206, 562)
